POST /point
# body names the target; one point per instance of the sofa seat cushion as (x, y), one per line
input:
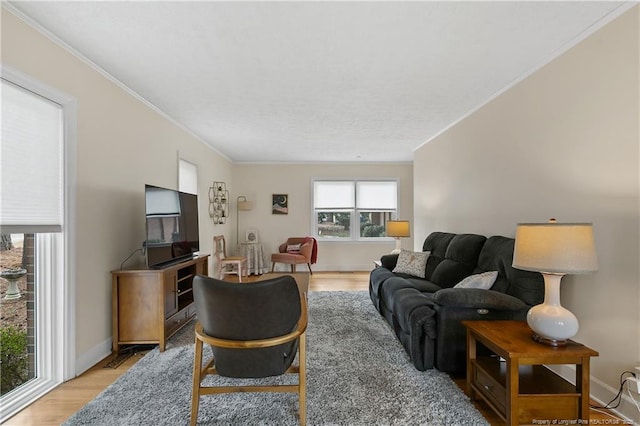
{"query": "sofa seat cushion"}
(393, 284)
(478, 299)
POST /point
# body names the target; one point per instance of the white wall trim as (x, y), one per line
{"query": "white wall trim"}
(55, 39)
(93, 356)
(350, 268)
(625, 6)
(601, 393)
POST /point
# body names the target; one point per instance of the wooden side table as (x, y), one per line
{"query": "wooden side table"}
(513, 380)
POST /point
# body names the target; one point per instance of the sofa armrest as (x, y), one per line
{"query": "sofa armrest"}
(477, 299)
(389, 261)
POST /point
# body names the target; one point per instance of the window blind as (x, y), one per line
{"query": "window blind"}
(31, 156)
(333, 194)
(377, 195)
(187, 177)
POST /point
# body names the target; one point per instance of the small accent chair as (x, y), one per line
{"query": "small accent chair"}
(297, 250)
(228, 264)
(255, 331)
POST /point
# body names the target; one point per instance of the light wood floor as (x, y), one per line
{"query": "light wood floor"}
(69, 397)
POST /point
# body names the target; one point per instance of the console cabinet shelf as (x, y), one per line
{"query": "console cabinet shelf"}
(150, 305)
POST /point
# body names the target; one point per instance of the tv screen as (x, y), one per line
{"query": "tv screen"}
(172, 226)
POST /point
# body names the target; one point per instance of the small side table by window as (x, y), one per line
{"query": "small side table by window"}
(513, 380)
(254, 253)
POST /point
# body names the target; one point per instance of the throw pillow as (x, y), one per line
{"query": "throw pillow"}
(412, 263)
(482, 281)
(293, 248)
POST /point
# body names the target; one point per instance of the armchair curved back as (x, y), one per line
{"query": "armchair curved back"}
(247, 313)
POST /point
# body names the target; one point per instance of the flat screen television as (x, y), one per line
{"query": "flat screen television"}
(171, 226)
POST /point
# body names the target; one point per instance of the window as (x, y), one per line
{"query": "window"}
(37, 163)
(187, 177)
(353, 209)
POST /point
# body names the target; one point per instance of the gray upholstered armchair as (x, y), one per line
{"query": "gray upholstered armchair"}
(255, 330)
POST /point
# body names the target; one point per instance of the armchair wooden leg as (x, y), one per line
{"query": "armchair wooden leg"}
(310, 271)
(293, 268)
(273, 266)
(195, 391)
(302, 379)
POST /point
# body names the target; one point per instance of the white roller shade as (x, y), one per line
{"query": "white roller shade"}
(187, 177)
(162, 202)
(377, 195)
(31, 156)
(333, 194)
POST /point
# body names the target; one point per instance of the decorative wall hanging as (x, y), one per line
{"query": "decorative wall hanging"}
(251, 236)
(279, 204)
(218, 203)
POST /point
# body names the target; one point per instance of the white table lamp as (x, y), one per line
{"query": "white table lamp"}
(398, 229)
(554, 250)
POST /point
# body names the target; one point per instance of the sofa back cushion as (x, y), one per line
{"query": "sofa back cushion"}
(459, 261)
(497, 255)
(436, 243)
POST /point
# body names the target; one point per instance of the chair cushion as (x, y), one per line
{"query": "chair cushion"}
(290, 258)
(293, 248)
(251, 311)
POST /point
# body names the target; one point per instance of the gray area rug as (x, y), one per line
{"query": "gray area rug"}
(357, 374)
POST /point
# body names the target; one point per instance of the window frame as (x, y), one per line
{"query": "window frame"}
(354, 222)
(54, 270)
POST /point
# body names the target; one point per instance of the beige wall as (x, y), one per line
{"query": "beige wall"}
(259, 181)
(121, 145)
(563, 143)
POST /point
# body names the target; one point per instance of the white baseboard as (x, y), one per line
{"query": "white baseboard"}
(326, 268)
(93, 356)
(601, 393)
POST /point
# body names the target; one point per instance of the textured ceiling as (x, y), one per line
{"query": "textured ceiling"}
(318, 81)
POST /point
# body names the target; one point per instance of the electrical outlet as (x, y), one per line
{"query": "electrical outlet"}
(634, 384)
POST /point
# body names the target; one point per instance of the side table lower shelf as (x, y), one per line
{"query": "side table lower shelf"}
(539, 389)
(514, 381)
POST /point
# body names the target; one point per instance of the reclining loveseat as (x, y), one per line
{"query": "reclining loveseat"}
(425, 306)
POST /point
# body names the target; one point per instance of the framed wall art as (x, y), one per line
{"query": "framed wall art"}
(251, 236)
(279, 204)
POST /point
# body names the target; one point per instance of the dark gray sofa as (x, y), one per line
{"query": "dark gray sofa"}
(426, 314)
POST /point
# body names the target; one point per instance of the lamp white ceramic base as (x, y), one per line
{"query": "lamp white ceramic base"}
(551, 323)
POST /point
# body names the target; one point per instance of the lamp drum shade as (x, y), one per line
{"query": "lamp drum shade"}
(563, 248)
(398, 228)
(245, 205)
